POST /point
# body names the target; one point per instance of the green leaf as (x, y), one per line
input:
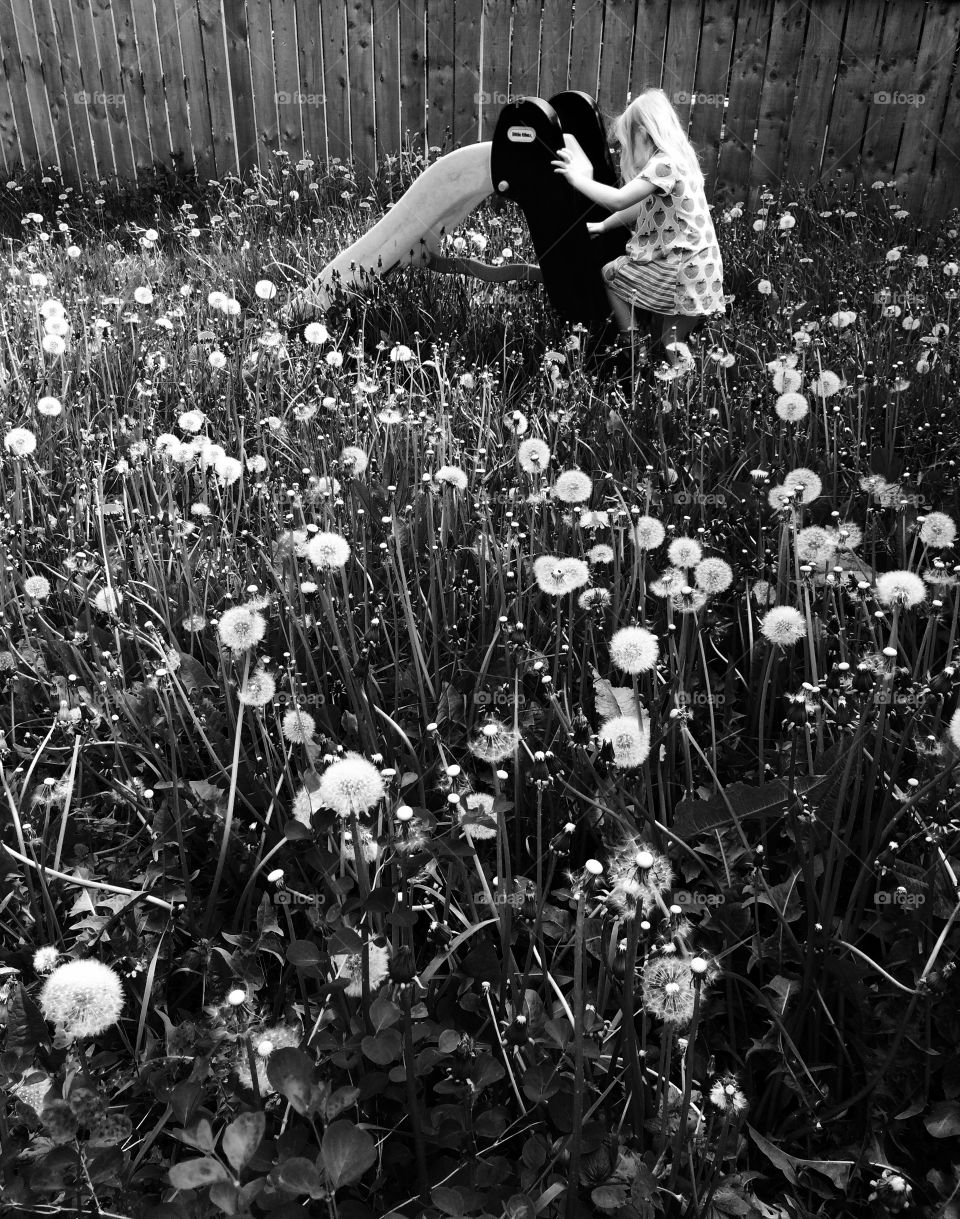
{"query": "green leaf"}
(299, 1175)
(383, 1013)
(540, 1083)
(837, 1171)
(194, 1174)
(347, 1153)
(383, 1049)
(291, 1073)
(943, 1120)
(303, 954)
(342, 1099)
(242, 1138)
(344, 939)
(26, 1028)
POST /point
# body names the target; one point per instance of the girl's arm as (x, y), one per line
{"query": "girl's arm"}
(624, 217)
(612, 197)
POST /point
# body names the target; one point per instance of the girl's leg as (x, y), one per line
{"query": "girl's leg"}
(678, 326)
(621, 311)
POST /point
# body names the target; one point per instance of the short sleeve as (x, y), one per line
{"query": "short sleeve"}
(660, 172)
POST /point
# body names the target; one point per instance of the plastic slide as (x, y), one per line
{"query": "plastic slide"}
(444, 194)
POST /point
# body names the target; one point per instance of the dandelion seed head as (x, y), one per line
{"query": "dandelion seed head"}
(241, 628)
(783, 625)
(328, 551)
(351, 785)
(684, 552)
(634, 650)
(534, 456)
(84, 997)
(572, 487)
(809, 482)
(258, 690)
(713, 575)
(298, 726)
(630, 742)
(938, 530)
(903, 588)
(648, 533)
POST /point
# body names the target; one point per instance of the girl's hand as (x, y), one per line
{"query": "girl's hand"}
(573, 162)
(566, 166)
(595, 228)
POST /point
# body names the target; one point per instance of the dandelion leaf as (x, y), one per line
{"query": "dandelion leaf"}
(837, 1171)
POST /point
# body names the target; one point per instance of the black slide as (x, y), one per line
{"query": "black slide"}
(580, 117)
(526, 140)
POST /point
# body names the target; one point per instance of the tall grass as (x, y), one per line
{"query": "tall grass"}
(425, 893)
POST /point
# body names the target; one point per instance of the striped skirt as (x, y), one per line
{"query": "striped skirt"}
(657, 285)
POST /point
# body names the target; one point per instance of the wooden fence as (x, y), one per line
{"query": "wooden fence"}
(772, 90)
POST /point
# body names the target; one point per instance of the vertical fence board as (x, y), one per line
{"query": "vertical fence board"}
(618, 24)
(466, 46)
(441, 32)
(942, 193)
(779, 93)
(262, 81)
(649, 42)
(740, 121)
(299, 84)
(182, 151)
(680, 56)
(525, 49)
(213, 36)
(134, 95)
(241, 84)
(920, 126)
(895, 74)
(90, 89)
(10, 151)
(28, 87)
(710, 87)
(413, 69)
(195, 84)
(554, 47)
(496, 62)
(363, 132)
(22, 132)
(144, 35)
(808, 130)
(386, 45)
(52, 69)
(586, 37)
(75, 81)
(854, 88)
(110, 74)
(336, 78)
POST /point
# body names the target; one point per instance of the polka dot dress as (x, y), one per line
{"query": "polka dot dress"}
(672, 263)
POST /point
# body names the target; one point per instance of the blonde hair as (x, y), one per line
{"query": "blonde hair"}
(651, 112)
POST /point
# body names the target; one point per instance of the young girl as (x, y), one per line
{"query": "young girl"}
(671, 272)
